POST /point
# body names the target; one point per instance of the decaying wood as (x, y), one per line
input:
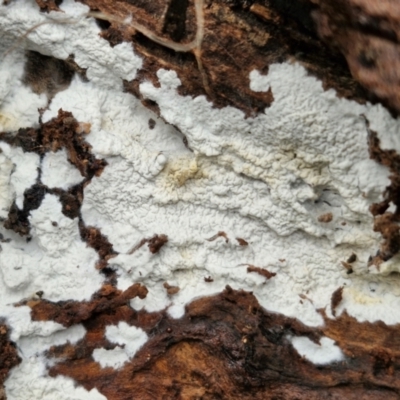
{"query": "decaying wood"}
(367, 32)
(227, 347)
(238, 37)
(8, 356)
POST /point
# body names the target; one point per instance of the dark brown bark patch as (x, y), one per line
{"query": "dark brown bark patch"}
(171, 290)
(336, 298)
(8, 357)
(95, 239)
(368, 34)
(46, 74)
(18, 219)
(156, 242)
(69, 313)
(65, 131)
(352, 258)
(242, 242)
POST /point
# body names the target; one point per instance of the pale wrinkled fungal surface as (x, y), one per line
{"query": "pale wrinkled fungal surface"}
(198, 200)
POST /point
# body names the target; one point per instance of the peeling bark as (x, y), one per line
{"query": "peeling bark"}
(73, 312)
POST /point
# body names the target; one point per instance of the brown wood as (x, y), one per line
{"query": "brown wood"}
(8, 356)
(225, 347)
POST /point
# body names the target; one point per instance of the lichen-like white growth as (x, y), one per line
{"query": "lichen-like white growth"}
(21, 176)
(18, 103)
(30, 380)
(129, 339)
(325, 352)
(58, 172)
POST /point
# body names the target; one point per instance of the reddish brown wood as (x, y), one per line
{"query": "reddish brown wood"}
(227, 347)
(367, 32)
(8, 356)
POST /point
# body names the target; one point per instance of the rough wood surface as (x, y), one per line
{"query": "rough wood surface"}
(359, 55)
(368, 34)
(225, 347)
(8, 356)
(239, 36)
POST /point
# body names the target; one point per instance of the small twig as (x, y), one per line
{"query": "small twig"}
(262, 271)
(219, 234)
(194, 46)
(138, 246)
(154, 243)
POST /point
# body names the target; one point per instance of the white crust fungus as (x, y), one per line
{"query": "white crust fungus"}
(129, 340)
(266, 179)
(323, 353)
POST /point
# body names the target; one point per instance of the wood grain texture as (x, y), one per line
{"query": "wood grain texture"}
(368, 35)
